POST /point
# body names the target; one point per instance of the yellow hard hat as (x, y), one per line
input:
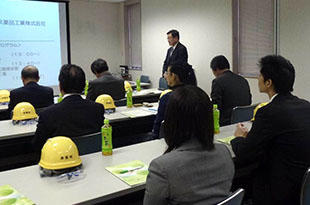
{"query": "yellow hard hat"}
(165, 92)
(107, 101)
(4, 96)
(59, 153)
(24, 111)
(127, 85)
(257, 107)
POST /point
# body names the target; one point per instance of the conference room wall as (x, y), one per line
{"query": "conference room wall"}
(205, 29)
(96, 31)
(294, 41)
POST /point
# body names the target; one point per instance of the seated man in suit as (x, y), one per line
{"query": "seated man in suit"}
(105, 83)
(228, 89)
(177, 53)
(37, 95)
(279, 139)
(73, 116)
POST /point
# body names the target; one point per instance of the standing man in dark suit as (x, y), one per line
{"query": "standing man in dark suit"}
(105, 83)
(228, 89)
(177, 53)
(73, 116)
(39, 96)
(279, 139)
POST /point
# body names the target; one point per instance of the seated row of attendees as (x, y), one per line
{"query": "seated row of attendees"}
(195, 171)
(42, 96)
(228, 89)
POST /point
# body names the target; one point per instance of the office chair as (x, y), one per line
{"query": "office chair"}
(145, 79)
(88, 143)
(162, 84)
(305, 189)
(234, 199)
(242, 113)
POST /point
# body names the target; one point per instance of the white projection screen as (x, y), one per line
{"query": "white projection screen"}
(33, 33)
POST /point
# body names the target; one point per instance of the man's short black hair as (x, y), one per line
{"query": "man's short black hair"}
(30, 72)
(219, 62)
(174, 33)
(71, 78)
(185, 72)
(280, 71)
(99, 66)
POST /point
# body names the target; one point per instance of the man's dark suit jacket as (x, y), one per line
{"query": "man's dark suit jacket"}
(228, 91)
(279, 141)
(72, 117)
(39, 96)
(106, 84)
(179, 56)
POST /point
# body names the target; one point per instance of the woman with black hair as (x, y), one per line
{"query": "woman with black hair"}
(193, 170)
(177, 75)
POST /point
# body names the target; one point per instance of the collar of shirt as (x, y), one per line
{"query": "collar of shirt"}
(175, 46)
(70, 94)
(271, 99)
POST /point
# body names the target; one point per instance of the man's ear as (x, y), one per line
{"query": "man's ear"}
(269, 83)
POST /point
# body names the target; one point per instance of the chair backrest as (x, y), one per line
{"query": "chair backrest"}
(162, 84)
(121, 102)
(234, 199)
(145, 79)
(242, 113)
(88, 143)
(305, 189)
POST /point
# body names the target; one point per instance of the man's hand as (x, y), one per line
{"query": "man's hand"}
(241, 130)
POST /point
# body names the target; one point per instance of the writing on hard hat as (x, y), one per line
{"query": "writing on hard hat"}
(59, 153)
(107, 101)
(24, 111)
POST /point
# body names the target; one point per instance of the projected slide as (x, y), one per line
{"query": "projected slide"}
(29, 35)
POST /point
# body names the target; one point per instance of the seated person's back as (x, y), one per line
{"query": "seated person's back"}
(279, 139)
(37, 95)
(105, 83)
(177, 75)
(73, 116)
(228, 89)
(193, 170)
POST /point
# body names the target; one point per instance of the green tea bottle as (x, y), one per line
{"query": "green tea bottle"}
(216, 119)
(106, 132)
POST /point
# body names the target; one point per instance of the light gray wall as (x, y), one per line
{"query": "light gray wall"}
(295, 41)
(96, 31)
(205, 29)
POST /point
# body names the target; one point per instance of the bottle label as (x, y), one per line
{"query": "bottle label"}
(107, 140)
(129, 98)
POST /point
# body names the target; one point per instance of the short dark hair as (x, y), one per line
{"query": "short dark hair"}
(174, 33)
(72, 78)
(219, 62)
(280, 71)
(99, 66)
(185, 72)
(189, 115)
(30, 72)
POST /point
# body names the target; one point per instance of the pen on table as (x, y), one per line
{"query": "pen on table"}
(130, 170)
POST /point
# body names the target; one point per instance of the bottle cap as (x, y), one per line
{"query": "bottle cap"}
(106, 121)
(214, 106)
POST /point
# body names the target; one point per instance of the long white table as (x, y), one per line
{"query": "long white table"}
(10, 131)
(98, 185)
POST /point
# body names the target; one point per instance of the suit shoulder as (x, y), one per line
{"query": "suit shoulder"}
(17, 90)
